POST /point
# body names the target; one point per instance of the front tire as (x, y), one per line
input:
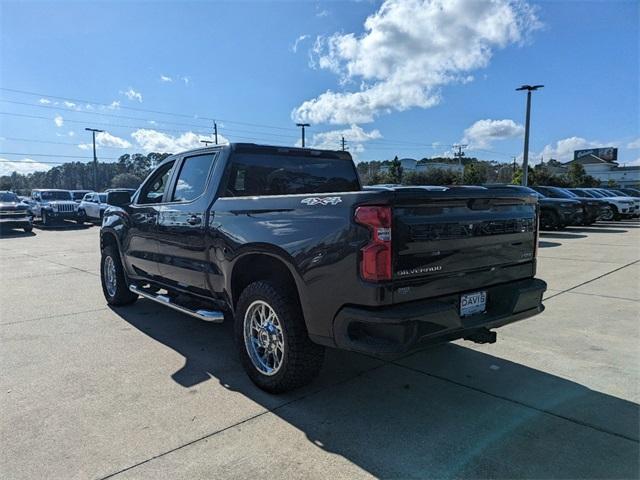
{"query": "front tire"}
(114, 282)
(28, 229)
(272, 339)
(46, 221)
(607, 214)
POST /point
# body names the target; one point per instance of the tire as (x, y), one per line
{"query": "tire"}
(300, 358)
(617, 217)
(82, 216)
(28, 229)
(117, 293)
(607, 214)
(46, 221)
(550, 220)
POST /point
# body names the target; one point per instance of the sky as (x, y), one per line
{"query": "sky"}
(408, 78)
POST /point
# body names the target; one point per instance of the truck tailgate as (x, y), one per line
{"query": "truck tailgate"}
(466, 239)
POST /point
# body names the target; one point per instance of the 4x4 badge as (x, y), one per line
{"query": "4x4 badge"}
(321, 200)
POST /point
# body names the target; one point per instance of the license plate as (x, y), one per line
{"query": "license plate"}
(472, 303)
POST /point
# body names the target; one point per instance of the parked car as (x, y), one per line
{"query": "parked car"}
(78, 195)
(592, 208)
(14, 213)
(632, 192)
(624, 207)
(92, 206)
(607, 209)
(287, 243)
(52, 205)
(635, 198)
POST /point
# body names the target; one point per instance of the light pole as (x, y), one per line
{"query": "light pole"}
(525, 158)
(302, 125)
(95, 158)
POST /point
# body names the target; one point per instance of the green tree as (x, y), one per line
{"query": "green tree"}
(126, 180)
(395, 171)
(475, 173)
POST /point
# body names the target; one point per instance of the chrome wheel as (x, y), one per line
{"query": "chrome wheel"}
(110, 281)
(264, 338)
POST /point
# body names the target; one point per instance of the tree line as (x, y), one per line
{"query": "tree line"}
(130, 170)
(127, 172)
(476, 172)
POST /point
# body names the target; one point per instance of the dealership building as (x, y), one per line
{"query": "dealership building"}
(601, 163)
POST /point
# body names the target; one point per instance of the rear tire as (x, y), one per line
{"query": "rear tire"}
(114, 282)
(274, 345)
(28, 229)
(550, 220)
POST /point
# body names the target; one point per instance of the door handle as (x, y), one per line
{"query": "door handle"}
(194, 220)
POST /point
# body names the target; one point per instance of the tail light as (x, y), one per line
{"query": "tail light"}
(375, 264)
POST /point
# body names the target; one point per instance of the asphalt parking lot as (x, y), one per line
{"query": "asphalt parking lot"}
(144, 392)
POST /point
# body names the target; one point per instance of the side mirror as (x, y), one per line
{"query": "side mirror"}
(119, 199)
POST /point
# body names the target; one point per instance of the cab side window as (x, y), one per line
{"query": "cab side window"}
(154, 189)
(192, 178)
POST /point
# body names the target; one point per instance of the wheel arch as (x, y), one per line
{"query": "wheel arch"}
(256, 266)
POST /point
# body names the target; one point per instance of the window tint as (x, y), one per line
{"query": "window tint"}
(264, 174)
(153, 190)
(192, 178)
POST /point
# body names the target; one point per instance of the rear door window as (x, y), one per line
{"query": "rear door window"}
(266, 174)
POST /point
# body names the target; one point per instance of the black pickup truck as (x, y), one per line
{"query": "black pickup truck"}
(287, 243)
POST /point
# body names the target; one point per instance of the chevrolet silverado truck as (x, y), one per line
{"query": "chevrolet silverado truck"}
(286, 243)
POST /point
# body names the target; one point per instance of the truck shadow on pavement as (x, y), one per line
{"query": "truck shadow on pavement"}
(446, 412)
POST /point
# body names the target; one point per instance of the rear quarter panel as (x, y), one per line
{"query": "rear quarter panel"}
(314, 235)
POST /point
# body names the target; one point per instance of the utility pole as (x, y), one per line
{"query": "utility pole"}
(206, 142)
(459, 154)
(303, 125)
(525, 158)
(95, 158)
(514, 165)
(215, 132)
(344, 147)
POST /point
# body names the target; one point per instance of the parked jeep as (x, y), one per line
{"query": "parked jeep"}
(53, 205)
(286, 244)
(14, 213)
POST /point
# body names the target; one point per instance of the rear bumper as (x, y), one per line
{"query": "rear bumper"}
(405, 327)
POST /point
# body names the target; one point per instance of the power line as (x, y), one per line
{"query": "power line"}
(48, 155)
(159, 112)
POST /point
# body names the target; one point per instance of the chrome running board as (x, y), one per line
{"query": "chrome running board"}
(213, 316)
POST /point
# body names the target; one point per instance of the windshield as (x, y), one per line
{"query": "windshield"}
(8, 197)
(78, 195)
(56, 195)
(619, 193)
(570, 193)
(595, 193)
(103, 197)
(555, 192)
(581, 193)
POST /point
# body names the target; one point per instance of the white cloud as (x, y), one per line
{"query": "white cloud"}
(483, 132)
(114, 105)
(409, 50)
(634, 144)
(301, 38)
(355, 137)
(166, 78)
(633, 163)
(44, 101)
(105, 139)
(131, 94)
(24, 166)
(153, 141)
(563, 149)
(322, 13)
(58, 120)
(186, 80)
(71, 133)
(69, 104)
